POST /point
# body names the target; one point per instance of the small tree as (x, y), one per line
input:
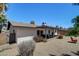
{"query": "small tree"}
(43, 23)
(32, 22)
(75, 3)
(75, 30)
(2, 18)
(3, 7)
(72, 32)
(75, 22)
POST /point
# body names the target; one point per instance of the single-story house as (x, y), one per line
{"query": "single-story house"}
(19, 29)
(22, 29)
(45, 31)
(25, 29)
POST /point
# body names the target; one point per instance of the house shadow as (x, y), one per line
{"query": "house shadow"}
(18, 55)
(65, 54)
(52, 55)
(76, 53)
(60, 55)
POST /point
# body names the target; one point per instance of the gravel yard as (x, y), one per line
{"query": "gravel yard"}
(53, 47)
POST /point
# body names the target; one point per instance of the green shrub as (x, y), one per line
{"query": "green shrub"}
(72, 33)
(39, 39)
(60, 37)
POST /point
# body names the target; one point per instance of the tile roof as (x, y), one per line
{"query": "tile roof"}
(20, 24)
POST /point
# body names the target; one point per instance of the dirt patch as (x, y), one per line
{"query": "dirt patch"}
(53, 47)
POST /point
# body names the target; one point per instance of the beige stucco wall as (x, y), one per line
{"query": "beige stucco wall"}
(24, 31)
(46, 30)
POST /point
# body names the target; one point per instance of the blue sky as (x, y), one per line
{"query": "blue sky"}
(51, 13)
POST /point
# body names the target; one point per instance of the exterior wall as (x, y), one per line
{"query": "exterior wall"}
(49, 29)
(46, 30)
(41, 29)
(62, 32)
(3, 38)
(24, 31)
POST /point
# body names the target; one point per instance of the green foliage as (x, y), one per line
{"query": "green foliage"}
(2, 18)
(60, 37)
(75, 30)
(75, 22)
(3, 5)
(32, 22)
(72, 33)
